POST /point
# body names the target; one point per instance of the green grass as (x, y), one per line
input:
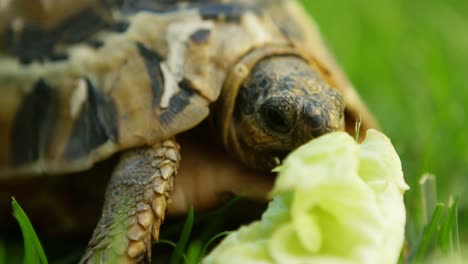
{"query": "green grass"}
(178, 253)
(409, 61)
(439, 233)
(33, 251)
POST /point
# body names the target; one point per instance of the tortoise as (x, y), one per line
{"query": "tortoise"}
(84, 81)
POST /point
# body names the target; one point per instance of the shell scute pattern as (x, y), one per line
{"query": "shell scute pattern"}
(104, 120)
(30, 42)
(34, 120)
(97, 119)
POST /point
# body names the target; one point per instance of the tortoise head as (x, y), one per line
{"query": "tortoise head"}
(283, 103)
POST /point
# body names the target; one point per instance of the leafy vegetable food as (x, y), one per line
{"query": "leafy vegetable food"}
(335, 201)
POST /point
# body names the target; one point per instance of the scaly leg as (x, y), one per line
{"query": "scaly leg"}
(135, 204)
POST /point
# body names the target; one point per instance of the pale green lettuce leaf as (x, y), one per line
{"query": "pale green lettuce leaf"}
(381, 168)
(336, 201)
(249, 244)
(329, 158)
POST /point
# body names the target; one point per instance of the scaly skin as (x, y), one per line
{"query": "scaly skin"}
(135, 205)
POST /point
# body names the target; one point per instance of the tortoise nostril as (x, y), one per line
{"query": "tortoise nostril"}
(318, 126)
(316, 122)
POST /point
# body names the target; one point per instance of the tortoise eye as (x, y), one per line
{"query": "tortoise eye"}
(274, 119)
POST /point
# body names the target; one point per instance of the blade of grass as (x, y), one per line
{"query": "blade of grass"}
(196, 249)
(428, 185)
(33, 251)
(209, 242)
(405, 251)
(357, 129)
(175, 228)
(456, 234)
(447, 237)
(172, 244)
(429, 235)
(220, 211)
(167, 242)
(184, 236)
(193, 252)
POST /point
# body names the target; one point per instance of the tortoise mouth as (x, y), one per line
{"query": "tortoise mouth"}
(266, 160)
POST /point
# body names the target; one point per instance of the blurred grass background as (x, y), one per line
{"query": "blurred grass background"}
(409, 62)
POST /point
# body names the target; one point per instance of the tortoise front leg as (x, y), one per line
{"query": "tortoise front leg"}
(135, 204)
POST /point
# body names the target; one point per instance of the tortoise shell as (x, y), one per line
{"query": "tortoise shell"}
(82, 80)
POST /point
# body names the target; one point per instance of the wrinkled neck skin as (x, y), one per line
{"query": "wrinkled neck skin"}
(283, 103)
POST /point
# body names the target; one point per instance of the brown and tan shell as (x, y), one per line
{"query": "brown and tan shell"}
(79, 102)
